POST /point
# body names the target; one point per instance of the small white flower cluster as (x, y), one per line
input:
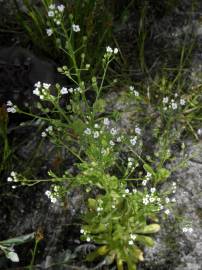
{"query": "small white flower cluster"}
(76, 27)
(128, 192)
(138, 130)
(65, 91)
(148, 199)
(174, 187)
(82, 231)
(133, 140)
(55, 12)
(51, 196)
(10, 107)
(187, 230)
(132, 239)
(42, 90)
(173, 103)
(133, 91)
(130, 162)
(47, 131)
(152, 198)
(106, 121)
(111, 51)
(13, 178)
(100, 206)
(97, 131)
(147, 178)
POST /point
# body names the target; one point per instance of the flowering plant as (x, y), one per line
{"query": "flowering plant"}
(123, 211)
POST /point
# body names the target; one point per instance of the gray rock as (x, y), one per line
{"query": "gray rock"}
(174, 249)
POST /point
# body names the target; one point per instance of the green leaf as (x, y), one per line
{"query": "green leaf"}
(101, 251)
(148, 169)
(152, 228)
(78, 126)
(145, 240)
(18, 240)
(99, 105)
(92, 204)
(162, 174)
(138, 253)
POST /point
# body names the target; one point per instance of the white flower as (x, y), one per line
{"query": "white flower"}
(87, 131)
(106, 122)
(138, 130)
(111, 143)
(11, 109)
(133, 140)
(88, 239)
(127, 190)
(10, 179)
(190, 230)
(36, 92)
(38, 84)
(116, 50)
(13, 174)
(48, 193)
(9, 103)
(64, 91)
(199, 131)
(167, 200)
(130, 242)
(133, 236)
(145, 201)
(61, 8)
(165, 100)
(109, 49)
(113, 131)
(130, 164)
(118, 139)
(46, 85)
(50, 13)
(96, 134)
(49, 129)
(136, 93)
(52, 6)
(71, 90)
(49, 32)
(82, 231)
(76, 28)
(43, 134)
(113, 206)
(167, 211)
(182, 102)
(161, 207)
(144, 182)
(148, 175)
(153, 190)
(13, 187)
(174, 105)
(151, 199)
(53, 200)
(131, 88)
(96, 126)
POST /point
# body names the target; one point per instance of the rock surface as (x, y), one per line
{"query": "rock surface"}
(175, 249)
